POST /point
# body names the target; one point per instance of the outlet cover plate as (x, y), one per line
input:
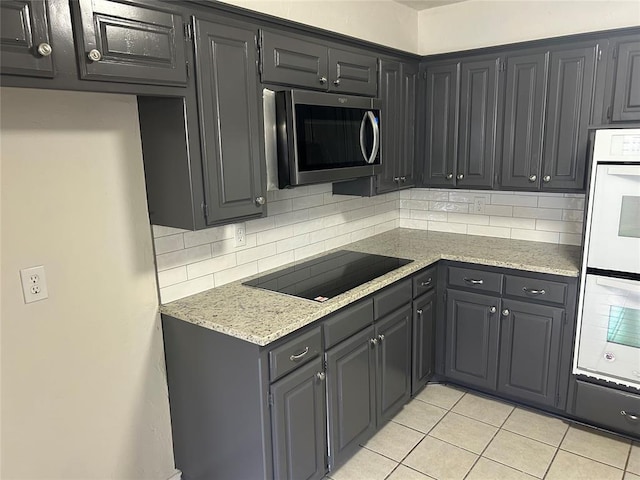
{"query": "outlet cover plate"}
(34, 284)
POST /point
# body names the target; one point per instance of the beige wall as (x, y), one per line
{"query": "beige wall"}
(379, 21)
(481, 23)
(84, 393)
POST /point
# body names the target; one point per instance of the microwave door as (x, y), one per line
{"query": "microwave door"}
(370, 118)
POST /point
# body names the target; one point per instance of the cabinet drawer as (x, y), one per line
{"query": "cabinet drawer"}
(475, 279)
(347, 322)
(392, 298)
(424, 281)
(294, 353)
(608, 407)
(535, 289)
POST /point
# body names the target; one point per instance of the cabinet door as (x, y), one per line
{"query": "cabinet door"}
(626, 89)
(126, 42)
(24, 37)
(393, 363)
(230, 125)
(292, 61)
(477, 131)
(530, 351)
(472, 338)
(571, 78)
(523, 121)
(407, 124)
(390, 82)
(350, 395)
(424, 317)
(441, 126)
(352, 73)
(298, 424)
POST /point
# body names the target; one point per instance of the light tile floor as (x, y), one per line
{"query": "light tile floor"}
(446, 433)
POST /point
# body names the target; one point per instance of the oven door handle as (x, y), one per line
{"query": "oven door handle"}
(376, 136)
(623, 171)
(622, 284)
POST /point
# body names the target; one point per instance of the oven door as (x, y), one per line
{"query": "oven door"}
(614, 242)
(609, 336)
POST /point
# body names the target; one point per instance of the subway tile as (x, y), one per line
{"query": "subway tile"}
(385, 227)
(236, 273)
(172, 276)
(291, 218)
(487, 231)
(323, 234)
(359, 213)
(229, 246)
(332, 220)
(320, 188)
(278, 207)
(414, 223)
(449, 207)
(405, 194)
(570, 239)
(574, 195)
(211, 265)
(363, 233)
(466, 218)
(184, 289)
(536, 212)
(570, 203)
(424, 194)
(334, 198)
(557, 226)
(572, 215)
(304, 252)
(308, 226)
(337, 241)
(275, 261)
(308, 201)
(169, 243)
(447, 227)
(352, 204)
(405, 213)
(260, 225)
(535, 235)
(183, 257)
(274, 234)
(162, 231)
(468, 197)
(210, 235)
(253, 254)
(427, 215)
(325, 210)
(385, 207)
(513, 222)
(291, 243)
(501, 210)
(514, 200)
(415, 204)
(286, 193)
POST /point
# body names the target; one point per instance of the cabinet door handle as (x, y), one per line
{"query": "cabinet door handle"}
(419, 311)
(505, 312)
(94, 55)
(44, 49)
(449, 176)
(323, 80)
(426, 284)
(533, 291)
(533, 178)
(460, 176)
(493, 310)
(396, 179)
(373, 341)
(472, 281)
(631, 416)
(260, 201)
(546, 178)
(403, 179)
(321, 376)
(295, 358)
(381, 337)
(336, 82)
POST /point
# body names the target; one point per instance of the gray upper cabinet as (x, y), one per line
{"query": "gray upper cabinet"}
(230, 124)
(295, 61)
(441, 124)
(25, 44)
(299, 424)
(390, 86)
(407, 124)
(130, 42)
(530, 351)
(626, 85)
(569, 101)
(524, 120)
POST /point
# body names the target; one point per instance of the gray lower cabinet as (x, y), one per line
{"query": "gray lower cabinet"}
(530, 351)
(351, 393)
(472, 336)
(25, 43)
(423, 339)
(298, 424)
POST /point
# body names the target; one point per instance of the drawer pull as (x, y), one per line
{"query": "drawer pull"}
(419, 311)
(295, 358)
(472, 281)
(532, 291)
(426, 284)
(630, 416)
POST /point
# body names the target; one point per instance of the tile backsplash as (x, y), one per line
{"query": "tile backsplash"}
(305, 221)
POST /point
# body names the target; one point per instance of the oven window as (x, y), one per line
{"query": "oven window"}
(629, 217)
(624, 326)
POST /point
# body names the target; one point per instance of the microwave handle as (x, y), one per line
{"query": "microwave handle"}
(376, 137)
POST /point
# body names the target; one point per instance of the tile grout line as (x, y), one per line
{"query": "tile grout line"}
(555, 454)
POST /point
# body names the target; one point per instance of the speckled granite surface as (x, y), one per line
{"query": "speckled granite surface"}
(260, 316)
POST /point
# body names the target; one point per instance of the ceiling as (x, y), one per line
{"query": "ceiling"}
(424, 4)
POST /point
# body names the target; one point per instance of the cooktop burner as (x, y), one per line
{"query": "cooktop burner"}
(325, 277)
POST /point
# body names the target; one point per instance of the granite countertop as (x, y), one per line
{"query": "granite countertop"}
(261, 316)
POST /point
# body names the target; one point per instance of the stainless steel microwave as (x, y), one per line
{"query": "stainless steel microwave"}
(323, 137)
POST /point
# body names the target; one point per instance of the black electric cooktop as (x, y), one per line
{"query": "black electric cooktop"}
(325, 277)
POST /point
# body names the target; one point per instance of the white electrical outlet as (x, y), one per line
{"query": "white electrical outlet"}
(478, 204)
(34, 284)
(241, 235)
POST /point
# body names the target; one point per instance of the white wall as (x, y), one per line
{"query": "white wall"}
(482, 23)
(84, 393)
(379, 21)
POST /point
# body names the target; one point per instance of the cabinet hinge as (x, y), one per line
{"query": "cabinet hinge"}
(609, 112)
(270, 399)
(186, 66)
(188, 32)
